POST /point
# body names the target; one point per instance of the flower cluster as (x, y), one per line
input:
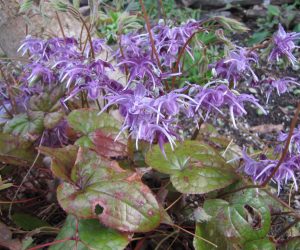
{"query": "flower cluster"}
(150, 111)
(260, 170)
(283, 45)
(137, 55)
(236, 66)
(281, 85)
(214, 99)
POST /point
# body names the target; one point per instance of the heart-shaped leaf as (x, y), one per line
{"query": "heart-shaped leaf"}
(16, 150)
(99, 132)
(126, 203)
(245, 218)
(28, 125)
(264, 244)
(63, 160)
(92, 236)
(195, 168)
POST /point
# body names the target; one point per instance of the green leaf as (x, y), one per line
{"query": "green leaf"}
(126, 203)
(59, 5)
(273, 10)
(15, 150)
(231, 24)
(28, 222)
(297, 28)
(195, 168)
(26, 5)
(244, 218)
(92, 236)
(258, 37)
(264, 244)
(4, 184)
(28, 125)
(63, 160)
(99, 132)
(27, 242)
(87, 121)
(209, 232)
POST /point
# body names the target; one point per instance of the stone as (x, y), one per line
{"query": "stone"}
(13, 25)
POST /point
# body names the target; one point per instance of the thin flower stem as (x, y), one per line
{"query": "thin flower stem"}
(89, 37)
(122, 53)
(162, 9)
(195, 235)
(151, 38)
(19, 201)
(165, 239)
(60, 25)
(173, 203)
(286, 148)
(176, 67)
(197, 130)
(80, 37)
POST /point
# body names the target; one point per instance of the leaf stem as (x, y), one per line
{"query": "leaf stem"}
(50, 244)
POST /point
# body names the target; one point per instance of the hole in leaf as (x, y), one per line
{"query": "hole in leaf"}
(253, 217)
(98, 209)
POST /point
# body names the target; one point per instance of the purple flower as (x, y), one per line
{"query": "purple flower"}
(260, 170)
(148, 117)
(99, 45)
(281, 85)
(40, 70)
(56, 137)
(34, 46)
(139, 68)
(236, 66)
(214, 99)
(76, 73)
(294, 146)
(139, 114)
(283, 45)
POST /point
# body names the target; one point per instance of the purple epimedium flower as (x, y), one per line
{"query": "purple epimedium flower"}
(281, 85)
(139, 68)
(139, 114)
(283, 45)
(148, 117)
(35, 46)
(214, 99)
(260, 170)
(236, 66)
(39, 70)
(294, 146)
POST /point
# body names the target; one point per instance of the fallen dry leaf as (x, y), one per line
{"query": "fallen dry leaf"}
(267, 128)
